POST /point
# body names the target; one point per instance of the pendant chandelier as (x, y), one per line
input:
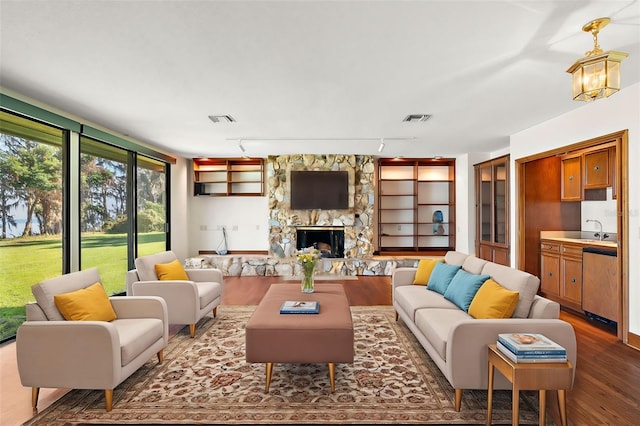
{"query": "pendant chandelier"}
(596, 75)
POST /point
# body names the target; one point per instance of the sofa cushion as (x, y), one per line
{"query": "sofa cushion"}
(435, 324)
(136, 335)
(463, 288)
(44, 291)
(86, 304)
(425, 268)
(473, 265)
(493, 301)
(410, 298)
(441, 276)
(455, 257)
(170, 271)
(515, 280)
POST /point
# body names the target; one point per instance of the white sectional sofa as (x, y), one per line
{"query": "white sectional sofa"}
(456, 341)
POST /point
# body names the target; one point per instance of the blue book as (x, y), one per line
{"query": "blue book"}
(530, 344)
(552, 358)
(299, 307)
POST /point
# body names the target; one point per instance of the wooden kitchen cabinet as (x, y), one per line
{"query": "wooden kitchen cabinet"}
(596, 169)
(571, 273)
(571, 171)
(586, 174)
(550, 269)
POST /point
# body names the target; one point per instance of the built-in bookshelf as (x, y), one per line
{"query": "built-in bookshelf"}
(228, 176)
(416, 205)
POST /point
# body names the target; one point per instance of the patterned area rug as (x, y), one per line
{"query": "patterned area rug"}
(207, 381)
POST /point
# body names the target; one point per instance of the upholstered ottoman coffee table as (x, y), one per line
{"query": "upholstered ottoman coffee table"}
(325, 337)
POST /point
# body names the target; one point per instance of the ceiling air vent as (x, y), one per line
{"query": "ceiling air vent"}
(222, 119)
(417, 117)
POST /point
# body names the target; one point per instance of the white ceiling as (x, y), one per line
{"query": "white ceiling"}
(309, 76)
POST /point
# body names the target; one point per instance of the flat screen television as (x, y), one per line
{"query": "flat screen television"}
(316, 190)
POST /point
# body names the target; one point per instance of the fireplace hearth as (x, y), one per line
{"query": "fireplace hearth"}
(328, 239)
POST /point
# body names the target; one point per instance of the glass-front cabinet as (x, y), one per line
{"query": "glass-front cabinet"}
(492, 210)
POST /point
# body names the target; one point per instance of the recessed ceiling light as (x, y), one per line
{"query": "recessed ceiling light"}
(222, 119)
(417, 117)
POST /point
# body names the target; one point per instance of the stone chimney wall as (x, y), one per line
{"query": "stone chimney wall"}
(357, 220)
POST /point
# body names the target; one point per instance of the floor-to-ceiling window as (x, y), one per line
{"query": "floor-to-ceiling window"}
(151, 179)
(103, 212)
(72, 197)
(31, 209)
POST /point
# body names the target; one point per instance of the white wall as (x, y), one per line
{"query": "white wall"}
(618, 112)
(179, 215)
(466, 201)
(244, 218)
(604, 211)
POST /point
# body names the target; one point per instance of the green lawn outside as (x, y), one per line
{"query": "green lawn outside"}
(27, 261)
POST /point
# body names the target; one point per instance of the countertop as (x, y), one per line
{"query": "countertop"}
(585, 239)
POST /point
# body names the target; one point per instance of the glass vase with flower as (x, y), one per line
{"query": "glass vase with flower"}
(308, 259)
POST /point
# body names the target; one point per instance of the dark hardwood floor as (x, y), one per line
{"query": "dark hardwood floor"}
(606, 389)
(365, 291)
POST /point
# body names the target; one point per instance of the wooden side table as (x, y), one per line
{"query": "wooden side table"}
(536, 376)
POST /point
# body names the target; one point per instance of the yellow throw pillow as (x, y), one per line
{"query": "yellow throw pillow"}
(493, 301)
(425, 267)
(171, 271)
(87, 304)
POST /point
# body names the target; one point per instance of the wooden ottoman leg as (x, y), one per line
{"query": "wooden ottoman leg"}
(268, 370)
(332, 376)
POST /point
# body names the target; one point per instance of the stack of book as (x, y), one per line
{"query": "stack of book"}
(299, 307)
(530, 348)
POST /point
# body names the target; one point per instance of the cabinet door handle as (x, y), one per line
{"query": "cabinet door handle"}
(573, 280)
(570, 178)
(550, 274)
(596, 168)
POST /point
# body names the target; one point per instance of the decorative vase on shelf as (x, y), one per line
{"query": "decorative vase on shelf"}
(308, 259)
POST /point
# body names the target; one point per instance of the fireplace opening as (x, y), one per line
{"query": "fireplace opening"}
(329, 240)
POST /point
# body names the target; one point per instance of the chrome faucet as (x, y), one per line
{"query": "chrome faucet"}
(598, 235)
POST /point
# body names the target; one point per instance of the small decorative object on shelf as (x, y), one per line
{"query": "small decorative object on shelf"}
(308, 258)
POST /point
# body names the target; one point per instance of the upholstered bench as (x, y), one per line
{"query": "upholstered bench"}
(326, 337)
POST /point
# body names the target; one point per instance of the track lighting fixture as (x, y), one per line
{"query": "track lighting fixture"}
(242, 149)
(381, 147)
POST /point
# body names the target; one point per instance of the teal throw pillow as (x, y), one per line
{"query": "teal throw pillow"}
(441, 276)
(463, 288)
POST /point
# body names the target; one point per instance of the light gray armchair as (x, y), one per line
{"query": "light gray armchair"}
(55, 353)
(187, 301)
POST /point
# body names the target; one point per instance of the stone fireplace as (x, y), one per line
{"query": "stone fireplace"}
(328, 239)
(356, 222)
